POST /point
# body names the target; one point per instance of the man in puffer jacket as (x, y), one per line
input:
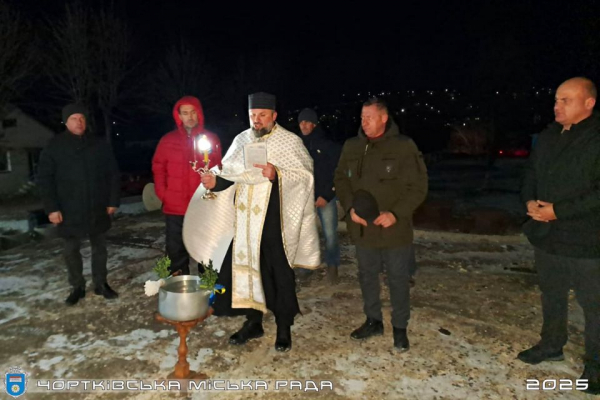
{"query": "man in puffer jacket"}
(380, 180)
(174, 179)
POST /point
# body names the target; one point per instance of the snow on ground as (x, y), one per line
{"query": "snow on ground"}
(474, 307)
(479, 288)
(14, 225)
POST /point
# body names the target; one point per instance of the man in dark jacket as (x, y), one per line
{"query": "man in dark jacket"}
(325, 154)
(175, 181)
(561, 191)
(79, 182)
(387, 167)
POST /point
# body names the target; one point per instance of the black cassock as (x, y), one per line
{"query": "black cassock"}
(278, 279)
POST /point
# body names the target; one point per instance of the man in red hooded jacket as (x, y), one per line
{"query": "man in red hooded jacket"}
(174, 179)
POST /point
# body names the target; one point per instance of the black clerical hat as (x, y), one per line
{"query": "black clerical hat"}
(261, 100)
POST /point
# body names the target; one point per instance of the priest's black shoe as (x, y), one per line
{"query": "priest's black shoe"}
(106, 291)
(283, 342)
(401, 340)
(371, 327)
(537, 354)
(250, 330)
(76, 294)
(592, 374)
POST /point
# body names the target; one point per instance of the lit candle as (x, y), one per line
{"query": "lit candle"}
(204, 146)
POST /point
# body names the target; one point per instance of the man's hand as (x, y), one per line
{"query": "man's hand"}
(546, 211)
(55, 217)
(385, 219)
(532, 207)
(533, 210)
(268, 171)
(321, 202)
(541, 211)
(356, 218)
(111, 210)
(209, 180)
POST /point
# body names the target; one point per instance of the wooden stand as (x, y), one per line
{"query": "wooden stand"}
(182, 368)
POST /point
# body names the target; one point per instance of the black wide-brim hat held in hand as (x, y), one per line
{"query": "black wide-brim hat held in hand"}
(365, 205)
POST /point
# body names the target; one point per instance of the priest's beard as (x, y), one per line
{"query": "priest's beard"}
(262, 131)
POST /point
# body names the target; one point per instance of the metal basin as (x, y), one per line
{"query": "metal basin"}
(180, 299)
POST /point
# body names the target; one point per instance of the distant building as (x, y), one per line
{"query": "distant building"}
(22, 139)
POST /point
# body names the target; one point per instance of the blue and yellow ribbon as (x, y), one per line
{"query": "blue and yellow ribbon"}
(218, 289)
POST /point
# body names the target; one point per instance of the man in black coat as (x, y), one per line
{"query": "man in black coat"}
(325, 154)
(561, 191)
(79, 182)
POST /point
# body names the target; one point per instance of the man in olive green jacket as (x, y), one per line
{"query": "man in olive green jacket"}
(389, 166)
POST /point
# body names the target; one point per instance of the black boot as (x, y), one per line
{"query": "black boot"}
(592, 374)
(250, 330)
(401, 340)
(76, 294)
(283, 342)
(371, 327)
(537, 354)
(106, 291)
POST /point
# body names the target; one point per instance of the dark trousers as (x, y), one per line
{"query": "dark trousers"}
(557, 274)
(412, 262)
(180, 259)
(396, 262)
(72, 255)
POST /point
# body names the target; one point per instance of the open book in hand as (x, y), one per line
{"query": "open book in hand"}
(255, 153)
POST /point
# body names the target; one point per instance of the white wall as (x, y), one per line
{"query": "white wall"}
(26, 136)
(11, 182)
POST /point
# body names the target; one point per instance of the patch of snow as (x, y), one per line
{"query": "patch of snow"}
(14, 224)
(117, 254)
(197, 363)
(12, 257)
(169, 358)
(9, 310)
(141, 279)
(41, 266)
(138, 339)
(62, 342)
(131, 208)
(46, 364)
(54, 295)
(22, 286)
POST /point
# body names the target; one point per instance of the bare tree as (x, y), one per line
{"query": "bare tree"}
(88, 59)
(111, 46)
(70, 53)
(184, 72)
(16, 56)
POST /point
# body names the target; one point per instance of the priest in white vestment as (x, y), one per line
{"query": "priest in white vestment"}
(273, 224)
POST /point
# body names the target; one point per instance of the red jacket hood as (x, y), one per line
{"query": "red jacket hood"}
(189, 100)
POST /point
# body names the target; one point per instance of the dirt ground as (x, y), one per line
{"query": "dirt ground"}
(475, 305)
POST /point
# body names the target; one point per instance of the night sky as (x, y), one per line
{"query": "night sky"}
(311, 49)
(312, 54)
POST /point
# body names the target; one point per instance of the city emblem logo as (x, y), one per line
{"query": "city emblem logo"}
(15, 382)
